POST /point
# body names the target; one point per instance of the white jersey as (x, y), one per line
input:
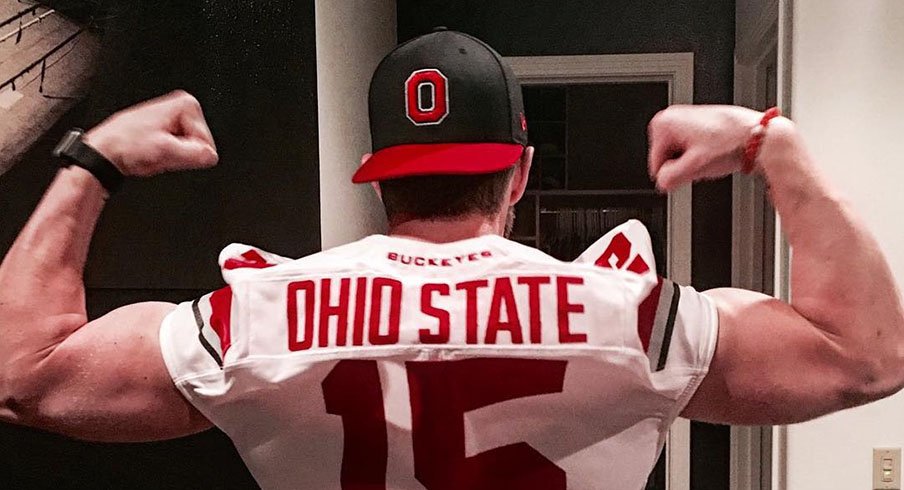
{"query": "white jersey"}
(391, 363)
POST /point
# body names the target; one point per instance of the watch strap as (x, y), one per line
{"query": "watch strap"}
(72, 150)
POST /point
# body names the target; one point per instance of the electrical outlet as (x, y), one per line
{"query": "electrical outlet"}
(887, 468)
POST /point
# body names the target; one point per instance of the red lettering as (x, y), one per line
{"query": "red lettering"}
(438, 435)
(533, 284)
(565, 308)
(619, 249)
(376, 305)
(437, 261)
(470, 288)
(221, 316)
(617, 254)
(638, 265)
(503, 296)
(352, 390)
(442, 334)
(307, 288)
(360, 298)
(340, 311)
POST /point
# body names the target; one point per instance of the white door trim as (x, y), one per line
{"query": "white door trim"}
(677, 69)
(756, 47)
(782, 248)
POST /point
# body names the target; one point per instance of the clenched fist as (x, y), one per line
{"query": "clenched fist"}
(161, 135)
(690, 143)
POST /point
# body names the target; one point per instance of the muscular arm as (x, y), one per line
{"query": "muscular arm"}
(102, 380)
(839, 342)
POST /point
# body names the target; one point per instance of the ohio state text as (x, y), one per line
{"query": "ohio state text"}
(356, 311)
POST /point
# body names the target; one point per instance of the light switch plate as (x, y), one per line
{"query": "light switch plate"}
(887, 468)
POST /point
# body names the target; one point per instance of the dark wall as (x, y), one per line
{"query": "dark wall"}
(252, 66)
(556, 27)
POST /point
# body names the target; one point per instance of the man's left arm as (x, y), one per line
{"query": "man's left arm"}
(103, 380)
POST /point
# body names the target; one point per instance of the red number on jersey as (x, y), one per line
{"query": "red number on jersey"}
(427, 97)
(440, 394)
(617, 254)
(352, 390)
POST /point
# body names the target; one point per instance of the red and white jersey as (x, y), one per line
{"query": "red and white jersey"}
(390, 363)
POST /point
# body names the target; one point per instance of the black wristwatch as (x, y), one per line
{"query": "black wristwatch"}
(72, 150)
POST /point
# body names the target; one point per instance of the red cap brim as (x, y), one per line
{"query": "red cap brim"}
(438, 159)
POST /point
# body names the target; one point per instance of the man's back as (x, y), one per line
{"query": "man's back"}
(474, 364)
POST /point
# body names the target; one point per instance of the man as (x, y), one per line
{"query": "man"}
(442, 355)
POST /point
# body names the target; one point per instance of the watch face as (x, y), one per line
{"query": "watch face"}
(66, 143)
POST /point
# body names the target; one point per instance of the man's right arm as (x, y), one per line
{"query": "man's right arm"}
(839, 343)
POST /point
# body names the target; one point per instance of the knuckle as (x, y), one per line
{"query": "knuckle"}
(185, 99)
(179, 94)
(191, 102)
(659, 120)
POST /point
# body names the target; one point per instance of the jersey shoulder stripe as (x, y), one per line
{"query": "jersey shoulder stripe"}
(199, 320)
(213, 317)
(656, 318)
(628, 247)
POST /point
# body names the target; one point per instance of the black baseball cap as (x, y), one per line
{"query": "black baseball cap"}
(443, 103)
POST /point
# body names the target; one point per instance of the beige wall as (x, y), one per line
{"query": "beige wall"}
(352, 38)
(848, 99)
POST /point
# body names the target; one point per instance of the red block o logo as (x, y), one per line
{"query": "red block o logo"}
(427, 97)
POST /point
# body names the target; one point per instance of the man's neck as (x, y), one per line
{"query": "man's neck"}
(445, 231)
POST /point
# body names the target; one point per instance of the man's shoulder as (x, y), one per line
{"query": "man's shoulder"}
(625, 247)
(240, 260)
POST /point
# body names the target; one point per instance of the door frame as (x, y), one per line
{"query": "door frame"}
(763, 44)
(676, 69)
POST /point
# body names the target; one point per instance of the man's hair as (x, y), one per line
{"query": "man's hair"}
(437, 197)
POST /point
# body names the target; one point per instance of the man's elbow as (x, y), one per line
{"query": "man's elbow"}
(18, 404)
(876, 375)
(24, 390)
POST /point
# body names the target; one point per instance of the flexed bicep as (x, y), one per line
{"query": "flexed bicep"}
(107, 381)
(772, 366)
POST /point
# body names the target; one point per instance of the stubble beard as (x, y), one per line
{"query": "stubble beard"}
(509, 222)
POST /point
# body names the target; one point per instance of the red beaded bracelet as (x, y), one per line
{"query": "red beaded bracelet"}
(752, 149)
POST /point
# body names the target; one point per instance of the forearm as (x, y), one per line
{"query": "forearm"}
(42, 295)
(104, 379)
(840, 280)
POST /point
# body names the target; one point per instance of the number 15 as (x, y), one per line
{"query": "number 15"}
(441, 392)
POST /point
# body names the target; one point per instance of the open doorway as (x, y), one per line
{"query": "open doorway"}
(588, 117)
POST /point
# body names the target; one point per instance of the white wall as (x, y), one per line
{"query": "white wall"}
(848, 100)
(352, 38)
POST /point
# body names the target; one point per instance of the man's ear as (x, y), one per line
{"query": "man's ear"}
(374, 185)
(521, 175)
(376, 188)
